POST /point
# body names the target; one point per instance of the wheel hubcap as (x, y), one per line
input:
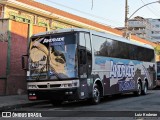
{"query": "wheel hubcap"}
(145, 89)
(139, 89)
(96, 94)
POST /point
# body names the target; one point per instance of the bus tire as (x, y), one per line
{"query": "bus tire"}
(95, 95)
(139, 89)
(144, 91)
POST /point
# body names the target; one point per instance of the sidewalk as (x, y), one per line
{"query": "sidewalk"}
(17, 101)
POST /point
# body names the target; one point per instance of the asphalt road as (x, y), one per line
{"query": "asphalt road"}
(122, 107)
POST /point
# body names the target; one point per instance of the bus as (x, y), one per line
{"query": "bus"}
(80, 64)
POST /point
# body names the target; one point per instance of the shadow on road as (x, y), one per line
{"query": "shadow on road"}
(157, 88)
(84, 103)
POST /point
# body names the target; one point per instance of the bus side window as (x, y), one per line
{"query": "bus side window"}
(82, 50)
(88, 54)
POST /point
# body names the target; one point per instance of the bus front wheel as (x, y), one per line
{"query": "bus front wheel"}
(95, 95)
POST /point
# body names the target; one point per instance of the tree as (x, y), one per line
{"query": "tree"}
(157, 49)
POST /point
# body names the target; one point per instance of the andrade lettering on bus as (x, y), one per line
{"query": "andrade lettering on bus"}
(121, 70)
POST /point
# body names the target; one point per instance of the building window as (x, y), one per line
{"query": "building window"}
(35, 20)
(1, 11)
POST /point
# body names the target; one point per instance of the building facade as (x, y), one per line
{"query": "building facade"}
(19, 19)
(155, 30)
(140, 27)
(145, 28)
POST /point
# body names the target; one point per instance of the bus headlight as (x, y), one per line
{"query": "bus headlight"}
(75, 83)
(31, 86)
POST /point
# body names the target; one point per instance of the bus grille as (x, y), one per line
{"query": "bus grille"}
(49, 86)
(56, 85)
(42, 86)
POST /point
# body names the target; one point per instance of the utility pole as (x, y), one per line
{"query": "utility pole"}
(126, 20)
(126, 13)
(126, 34)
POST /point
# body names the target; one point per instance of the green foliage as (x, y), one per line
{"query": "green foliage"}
(157, 49)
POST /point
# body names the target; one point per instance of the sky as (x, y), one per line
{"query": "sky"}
(107, 12)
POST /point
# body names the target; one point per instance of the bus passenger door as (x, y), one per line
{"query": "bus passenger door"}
(85, 55)
(85, 63)
(82, 63)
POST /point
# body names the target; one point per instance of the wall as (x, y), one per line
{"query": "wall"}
(16, 81)
(3, 59)
(37, 29)
(3, 65)
(3, 54)
(12, 77)
(16, 77)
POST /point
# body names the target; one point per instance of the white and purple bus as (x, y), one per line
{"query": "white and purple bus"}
(79, 64)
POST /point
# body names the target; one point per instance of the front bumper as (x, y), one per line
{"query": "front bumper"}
(54, 90)
(53, 85)
(63, 94)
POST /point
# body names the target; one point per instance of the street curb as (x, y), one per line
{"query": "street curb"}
(20, 105)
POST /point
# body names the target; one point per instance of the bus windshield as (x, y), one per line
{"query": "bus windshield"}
(53, 57)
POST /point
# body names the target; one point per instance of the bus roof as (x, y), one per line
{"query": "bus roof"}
(103, 34)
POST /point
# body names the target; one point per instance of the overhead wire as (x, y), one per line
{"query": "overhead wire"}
(151, 10)
(95, 16)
